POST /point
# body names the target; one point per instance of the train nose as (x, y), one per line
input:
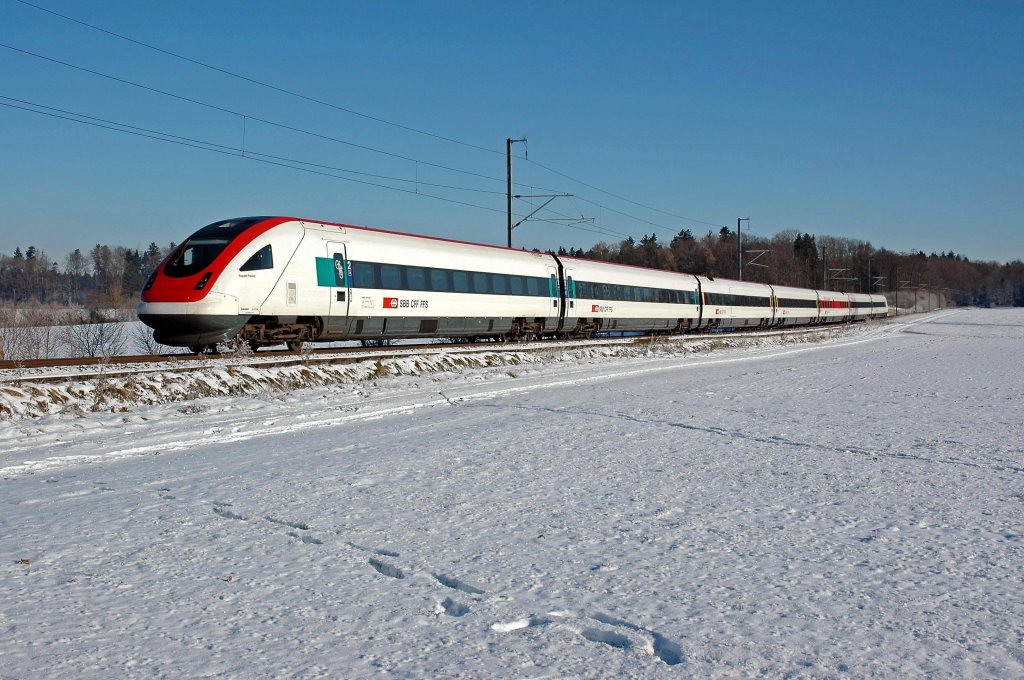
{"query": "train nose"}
(210, 321)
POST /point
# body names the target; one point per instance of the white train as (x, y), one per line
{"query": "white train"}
(268, 280)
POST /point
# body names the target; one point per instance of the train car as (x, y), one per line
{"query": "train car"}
(736, 304)
(606, 297)
(860, 306)
(272, 280)
(794, 306)
(832, 307)
(879, 306)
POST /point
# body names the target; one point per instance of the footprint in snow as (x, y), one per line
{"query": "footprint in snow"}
(456, 584)
(375, 551)
(607, 637)
(636, 637)
(283, 522)
(519, 624)
(452, 608)
(386, 569)
(227, 514)
(305, 538)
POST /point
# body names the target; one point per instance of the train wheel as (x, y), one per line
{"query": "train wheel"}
(253, 345)
(295, 346)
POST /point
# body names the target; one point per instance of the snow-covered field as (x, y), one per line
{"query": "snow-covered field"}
(851, 508)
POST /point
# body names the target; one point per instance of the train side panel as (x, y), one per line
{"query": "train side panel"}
(795, 306)
(860, 306)
(405, 286)
(736, 304)
(833, 307)
(879, 306)
(606, 297)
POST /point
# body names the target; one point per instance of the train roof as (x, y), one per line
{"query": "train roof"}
(392, 232)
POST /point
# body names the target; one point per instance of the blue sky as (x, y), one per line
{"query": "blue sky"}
(897, 123)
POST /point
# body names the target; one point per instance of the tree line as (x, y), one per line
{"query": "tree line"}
(104, 277)
(113, 276)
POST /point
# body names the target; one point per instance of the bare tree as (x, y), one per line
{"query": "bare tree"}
(103, 339)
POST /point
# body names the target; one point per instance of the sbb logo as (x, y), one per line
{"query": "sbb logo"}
(390, 303)
(595, 308)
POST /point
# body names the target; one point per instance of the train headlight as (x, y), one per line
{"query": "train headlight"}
(203, 281)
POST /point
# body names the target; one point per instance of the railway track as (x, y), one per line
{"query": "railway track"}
(63, 370)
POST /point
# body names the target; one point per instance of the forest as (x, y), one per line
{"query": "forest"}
(110, 277)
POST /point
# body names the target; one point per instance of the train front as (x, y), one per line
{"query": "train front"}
(182, 300)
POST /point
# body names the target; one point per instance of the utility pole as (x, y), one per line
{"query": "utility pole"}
(739, 244)
(824, 268)
(508, 161)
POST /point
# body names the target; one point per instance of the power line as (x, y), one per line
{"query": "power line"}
(245, 115)
(227, 151)
(360, 114)
(243, 151)
(622, 198)
(267, 159)
(332, 106)
(261, 83)
(236, 152)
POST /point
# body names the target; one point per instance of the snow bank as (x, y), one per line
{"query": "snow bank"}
(120, 388)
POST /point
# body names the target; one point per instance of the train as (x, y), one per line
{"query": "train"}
(282, 280)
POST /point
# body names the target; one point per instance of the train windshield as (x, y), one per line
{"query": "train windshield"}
(203, 247)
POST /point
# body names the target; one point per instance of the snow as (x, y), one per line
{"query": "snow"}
(850, 507)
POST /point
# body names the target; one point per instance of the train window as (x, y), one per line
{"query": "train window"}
(461, 280)
(390, 276)
(480, 282)
(499, 284)
(439, 280)
(571, 285)
(532, 287)
(362, 275)
(261, 259)
(195, 255)
(416, 278)
(515, 285)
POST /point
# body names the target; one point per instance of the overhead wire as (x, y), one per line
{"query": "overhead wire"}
(219, 148)
(255, 81)
(621, 198)
(250, 117)
(244, 154)
(366, 116)
(247, 116)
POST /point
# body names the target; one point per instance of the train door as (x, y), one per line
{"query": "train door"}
(333, 272)
(556, 296)
(569, 298)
